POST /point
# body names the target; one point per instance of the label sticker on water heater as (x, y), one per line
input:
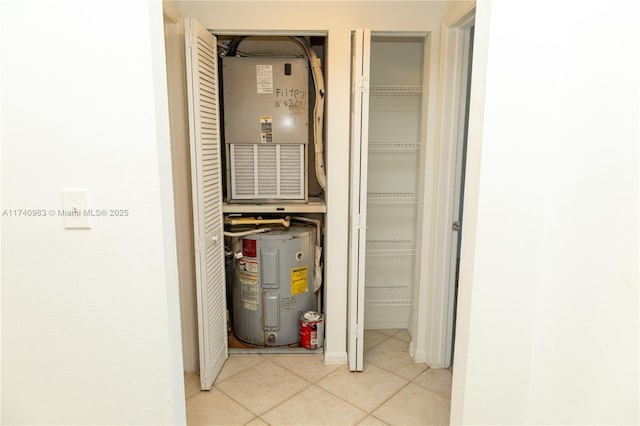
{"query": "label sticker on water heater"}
(248, 274)
(249, 248)
(264, 78)
(249, 292)
(298, 280)
(289, 304)
(251, 306)
(249, 269)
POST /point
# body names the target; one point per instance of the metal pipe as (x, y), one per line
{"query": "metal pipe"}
(245, 233)
(314, 221)
(253, 221)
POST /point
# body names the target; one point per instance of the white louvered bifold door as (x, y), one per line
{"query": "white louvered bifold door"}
(202, 92)
(360, 53)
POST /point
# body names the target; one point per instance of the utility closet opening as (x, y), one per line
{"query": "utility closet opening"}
(272, 104)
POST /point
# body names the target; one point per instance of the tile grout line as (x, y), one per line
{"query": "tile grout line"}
(233, 399)
(377, 418)
(310, 384)
(389, 371)
(239, 403)
(240, 372)
(304, 378)
(195, 394)
(366, 412)
(390, 396)
(250, 410)
(431, 390)
(351, 403)
(379, 343)
(186, 398)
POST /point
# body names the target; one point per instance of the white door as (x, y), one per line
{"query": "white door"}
(360, 50)
(458, 194)
(202, 93)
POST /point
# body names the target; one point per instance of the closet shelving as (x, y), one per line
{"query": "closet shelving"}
(395, 90)
(379, 147)
(375, 198)
(390, 248)
(395, 105)
(397, 294)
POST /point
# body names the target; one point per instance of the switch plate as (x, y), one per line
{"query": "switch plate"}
(75, 203)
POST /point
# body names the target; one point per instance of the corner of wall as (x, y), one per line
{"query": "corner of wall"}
(171, 10)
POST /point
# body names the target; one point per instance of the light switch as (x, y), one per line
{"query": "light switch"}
(75, 203)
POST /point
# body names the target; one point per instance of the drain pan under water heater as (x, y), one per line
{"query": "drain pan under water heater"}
(273, 284)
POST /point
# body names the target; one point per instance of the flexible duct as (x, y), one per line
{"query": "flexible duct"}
(317, 276)
(318, 111)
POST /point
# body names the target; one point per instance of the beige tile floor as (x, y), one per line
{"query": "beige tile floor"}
(298, 389)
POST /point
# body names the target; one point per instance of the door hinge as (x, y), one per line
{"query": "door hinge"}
(362, 83)
(359, 221)
(456, 226)
(192, 37)
(354, 330)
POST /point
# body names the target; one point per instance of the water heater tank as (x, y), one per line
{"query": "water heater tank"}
(273, 285)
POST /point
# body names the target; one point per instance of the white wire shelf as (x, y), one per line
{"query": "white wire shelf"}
(390, 248)
(395, 90)
(392, 198)
(393, 147)
(388, 296)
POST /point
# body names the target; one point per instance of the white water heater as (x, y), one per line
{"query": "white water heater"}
(266, 125)
(272, 284)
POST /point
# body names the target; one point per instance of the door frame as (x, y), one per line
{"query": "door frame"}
(440, 315)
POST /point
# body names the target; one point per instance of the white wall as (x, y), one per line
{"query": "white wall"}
(90, 327)
(548, 308)
(181, 162)
(548, 325)
(337, 20)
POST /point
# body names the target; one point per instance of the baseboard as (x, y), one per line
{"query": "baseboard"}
(385, 325)
(386, 317)
(419, 356)
(332, 358)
